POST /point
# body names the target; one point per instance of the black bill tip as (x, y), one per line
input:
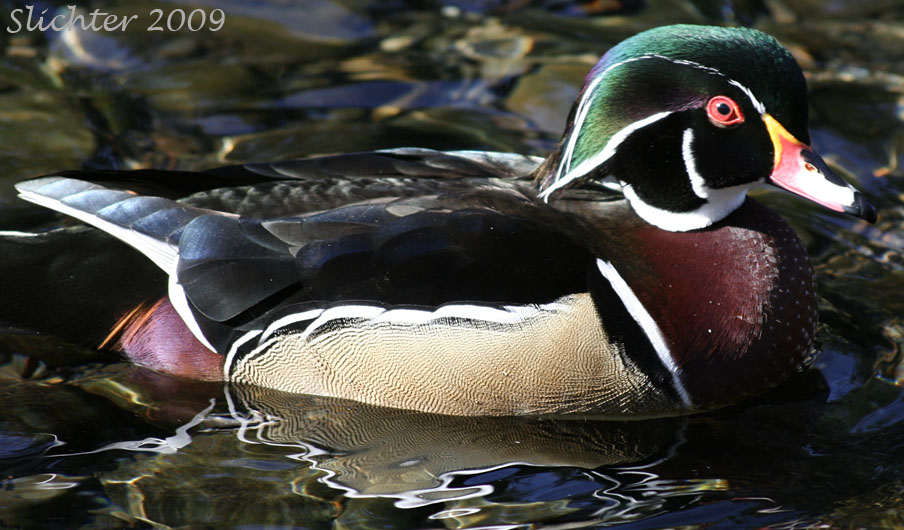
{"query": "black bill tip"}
(862, 208)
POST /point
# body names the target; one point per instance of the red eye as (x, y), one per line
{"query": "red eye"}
(724, 112)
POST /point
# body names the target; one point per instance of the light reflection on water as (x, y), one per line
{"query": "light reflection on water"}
(103, 444)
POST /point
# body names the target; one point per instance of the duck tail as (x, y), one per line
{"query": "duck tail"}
(84, 286)
(52, 285)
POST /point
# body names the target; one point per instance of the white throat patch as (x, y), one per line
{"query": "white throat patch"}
(720, 202)
(566, 174)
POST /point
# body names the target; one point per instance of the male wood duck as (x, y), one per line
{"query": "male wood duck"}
(479, 283)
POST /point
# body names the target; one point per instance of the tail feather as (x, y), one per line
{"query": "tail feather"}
(150, 224)
(51, 285)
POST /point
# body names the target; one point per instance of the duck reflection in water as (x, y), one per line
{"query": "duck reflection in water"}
(366, 451)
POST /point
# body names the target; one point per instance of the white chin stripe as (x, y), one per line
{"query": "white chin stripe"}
(719, 202)
(646, 322)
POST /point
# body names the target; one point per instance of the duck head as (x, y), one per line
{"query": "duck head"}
(685, 119)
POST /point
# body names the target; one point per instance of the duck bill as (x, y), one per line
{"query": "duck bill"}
(800, 170)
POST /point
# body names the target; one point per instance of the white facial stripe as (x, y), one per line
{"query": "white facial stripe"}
(757, 104)
(728, 195)
(698, 184)
(564, 173)
(646, 322)
(588, 165)
(581, 114)
(707, 69)
(719, 202)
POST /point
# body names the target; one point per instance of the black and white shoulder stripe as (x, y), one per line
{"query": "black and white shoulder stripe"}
(644, 339)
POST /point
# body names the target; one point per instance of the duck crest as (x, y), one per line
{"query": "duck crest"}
(735, 303)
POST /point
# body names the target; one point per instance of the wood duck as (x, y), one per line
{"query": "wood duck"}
(627, 274)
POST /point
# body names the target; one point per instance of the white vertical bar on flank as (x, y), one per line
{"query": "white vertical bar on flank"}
(230, 357)
(643, 318)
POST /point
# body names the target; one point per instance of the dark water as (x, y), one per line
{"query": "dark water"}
(88, 442)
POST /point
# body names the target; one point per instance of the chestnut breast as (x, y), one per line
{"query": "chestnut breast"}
(735, 302)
